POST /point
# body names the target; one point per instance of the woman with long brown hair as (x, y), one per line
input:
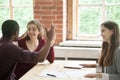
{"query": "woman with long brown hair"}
(109, 61)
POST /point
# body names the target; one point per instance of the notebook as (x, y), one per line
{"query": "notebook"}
(70, 66)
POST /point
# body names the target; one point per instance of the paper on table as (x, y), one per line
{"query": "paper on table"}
(62, 72)
(77, 73)
(56, 73)
(65, 74)
(73, 66)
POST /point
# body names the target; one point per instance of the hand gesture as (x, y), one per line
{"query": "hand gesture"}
(50, 33)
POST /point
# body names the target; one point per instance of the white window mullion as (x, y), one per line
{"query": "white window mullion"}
(11, 9)
(103, 11)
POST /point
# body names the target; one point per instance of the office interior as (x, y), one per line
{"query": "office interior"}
(71, 43)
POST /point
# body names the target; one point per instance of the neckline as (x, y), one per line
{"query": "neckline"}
(35, 48)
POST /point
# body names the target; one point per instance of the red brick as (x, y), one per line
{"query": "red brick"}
(36, 12)
(37, 16)
(59, 34)
(57, 22)
(59, 26)
(48, 17)
(46, 22)
(58, 12)
(46, 12)
(59, 7)
(43, 3)
(36, 7)
(47, 7)
(58, 3)
(58, 31)
(60, 17)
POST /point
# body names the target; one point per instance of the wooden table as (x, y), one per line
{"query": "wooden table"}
(40, 71)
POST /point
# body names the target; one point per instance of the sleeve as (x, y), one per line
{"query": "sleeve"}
(50, 56)
(25, 56)
(105, 76)
(98, 69)
(116, 64)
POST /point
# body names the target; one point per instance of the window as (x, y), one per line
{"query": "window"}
(89, 14)
(21, 11)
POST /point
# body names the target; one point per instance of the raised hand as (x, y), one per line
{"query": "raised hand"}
(50, 33)
(45, 50)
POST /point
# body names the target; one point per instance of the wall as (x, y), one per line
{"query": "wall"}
(59, 12)
(77, 53)
(48, 12)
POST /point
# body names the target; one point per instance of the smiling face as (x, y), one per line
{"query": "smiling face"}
(32, 31)
(106, 34)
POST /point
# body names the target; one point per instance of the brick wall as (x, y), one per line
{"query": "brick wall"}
(50, 11)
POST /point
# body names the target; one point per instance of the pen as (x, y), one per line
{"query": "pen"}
(51, 75)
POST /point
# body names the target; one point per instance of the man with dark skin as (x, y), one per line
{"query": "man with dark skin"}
(11, 54)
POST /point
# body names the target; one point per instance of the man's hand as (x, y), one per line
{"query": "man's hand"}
(50, 33)
(45, 50)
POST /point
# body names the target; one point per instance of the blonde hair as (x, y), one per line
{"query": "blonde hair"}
(39, 27)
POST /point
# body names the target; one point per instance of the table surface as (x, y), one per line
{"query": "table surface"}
(41, 71)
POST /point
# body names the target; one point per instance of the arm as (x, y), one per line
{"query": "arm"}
(112, 72)
(50, 56)
(88, 65)
(116, 66)
(42, 54)
(33, 57)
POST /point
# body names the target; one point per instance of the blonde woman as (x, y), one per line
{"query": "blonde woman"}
(32, 40)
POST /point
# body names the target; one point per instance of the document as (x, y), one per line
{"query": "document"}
(69, 66)
(53, 74)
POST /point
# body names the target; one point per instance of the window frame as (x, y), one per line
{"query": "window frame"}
(11, 8)
(72, 25)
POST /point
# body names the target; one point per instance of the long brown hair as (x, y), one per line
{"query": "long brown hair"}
(108, 50)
